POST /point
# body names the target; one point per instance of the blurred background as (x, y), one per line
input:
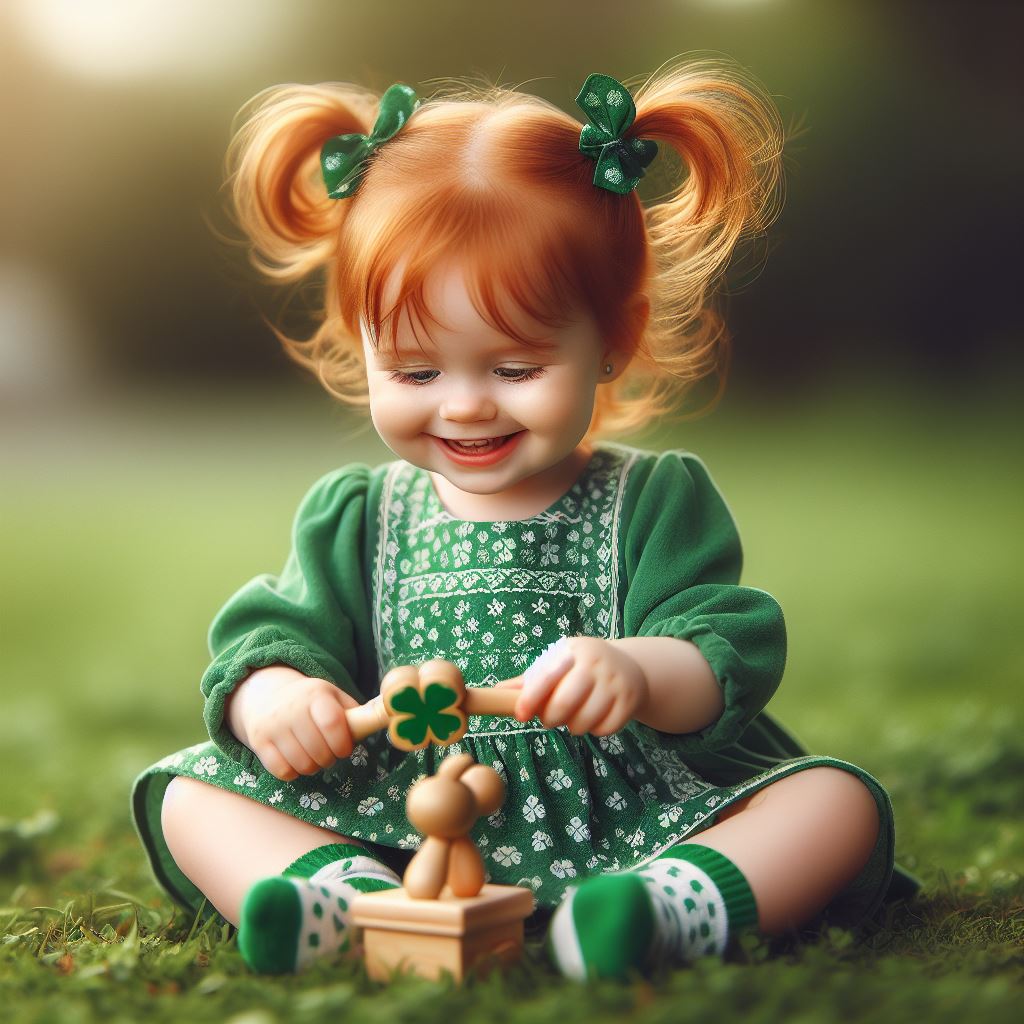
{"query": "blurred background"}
(154, 441)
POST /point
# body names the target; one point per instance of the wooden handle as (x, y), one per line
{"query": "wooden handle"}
(481, 700)
(366, 719)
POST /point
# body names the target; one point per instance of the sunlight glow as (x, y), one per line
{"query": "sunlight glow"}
(119, 39)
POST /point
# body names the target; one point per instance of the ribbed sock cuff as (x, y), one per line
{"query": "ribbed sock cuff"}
(310, 863)
(740, 905)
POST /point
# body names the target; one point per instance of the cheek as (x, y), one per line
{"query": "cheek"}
(568, 401)
(395, 413)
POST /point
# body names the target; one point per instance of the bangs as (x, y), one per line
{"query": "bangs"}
(533, 244)
(520, 265)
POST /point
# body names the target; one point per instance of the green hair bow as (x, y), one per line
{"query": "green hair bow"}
(345, 158)
(610, 110)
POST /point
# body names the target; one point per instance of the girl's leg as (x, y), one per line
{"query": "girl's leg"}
(224, 842)
(798, 842)
(777, 859)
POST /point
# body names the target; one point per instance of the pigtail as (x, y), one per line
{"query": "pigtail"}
(273, 165)
(293, 229)
(728, 134)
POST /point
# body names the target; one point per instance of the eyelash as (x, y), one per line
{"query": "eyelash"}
(525, 373)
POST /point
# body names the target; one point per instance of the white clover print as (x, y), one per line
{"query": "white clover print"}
(496, 607)
(578, 830)
(541, 841)
(314, 801)
(636, 840)
(533, 809)
(329, 822)
(506, 856)
(614, 98)
(669, 816)
(245, 778)
(206, 766)
(557, 779)
(612, 744)
(503, 549)
(616, 801)
(563, 869)
(370, 806)
(540, 606)
(276, 797)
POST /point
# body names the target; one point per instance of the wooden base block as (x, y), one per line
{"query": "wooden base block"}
(449, 934)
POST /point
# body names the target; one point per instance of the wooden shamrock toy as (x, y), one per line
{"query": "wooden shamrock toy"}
(428, 703)
(445, 918)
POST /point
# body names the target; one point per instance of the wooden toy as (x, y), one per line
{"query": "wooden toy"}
(428, 703)
(445, 918)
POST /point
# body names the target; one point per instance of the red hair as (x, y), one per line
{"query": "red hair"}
(494, 180)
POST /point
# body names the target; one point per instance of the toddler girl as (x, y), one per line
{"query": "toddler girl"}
(497, 294)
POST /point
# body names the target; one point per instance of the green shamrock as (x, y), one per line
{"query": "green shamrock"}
(426, 719)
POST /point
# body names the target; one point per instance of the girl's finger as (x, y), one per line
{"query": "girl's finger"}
(328, 716)
(613, 721)
(272, 759)
(295, 753)
(308, 733)
(568, 697)
(540, 679)
(594, 710)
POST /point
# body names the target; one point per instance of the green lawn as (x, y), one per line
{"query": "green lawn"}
(889, 529)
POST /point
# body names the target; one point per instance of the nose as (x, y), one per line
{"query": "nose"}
(468, 406)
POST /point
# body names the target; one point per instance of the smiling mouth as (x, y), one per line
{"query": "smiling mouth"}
(478, 446)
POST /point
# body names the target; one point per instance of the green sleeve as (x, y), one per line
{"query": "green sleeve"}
(682, 566)
(314, 616)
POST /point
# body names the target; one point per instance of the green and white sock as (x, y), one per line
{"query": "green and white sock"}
(684, 905)
(291, 919)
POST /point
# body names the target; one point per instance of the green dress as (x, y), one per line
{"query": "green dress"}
(381, 574)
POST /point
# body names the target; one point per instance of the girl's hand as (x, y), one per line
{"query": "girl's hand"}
(295, 725)
(585, 683)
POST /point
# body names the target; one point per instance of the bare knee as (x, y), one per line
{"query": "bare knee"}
(181, 808)
(849, 797)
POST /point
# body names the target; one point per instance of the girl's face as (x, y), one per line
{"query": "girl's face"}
(526, 408)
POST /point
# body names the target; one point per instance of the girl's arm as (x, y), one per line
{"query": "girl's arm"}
(599, 686)
(683, 695)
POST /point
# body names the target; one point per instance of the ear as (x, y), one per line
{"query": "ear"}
(618, 352)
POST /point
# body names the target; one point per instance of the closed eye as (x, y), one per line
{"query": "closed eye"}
(416, 377)
(512, 374)
(519, 373)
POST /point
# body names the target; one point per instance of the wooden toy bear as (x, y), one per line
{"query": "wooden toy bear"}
(445, 918)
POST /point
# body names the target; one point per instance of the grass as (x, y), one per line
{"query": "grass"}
(889, 529)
